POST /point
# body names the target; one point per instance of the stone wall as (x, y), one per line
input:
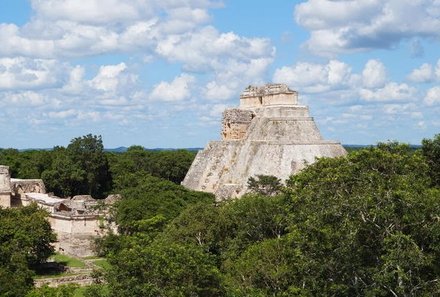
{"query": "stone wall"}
(76, 234)
(235, 123)
(270, 94)
(5, 187)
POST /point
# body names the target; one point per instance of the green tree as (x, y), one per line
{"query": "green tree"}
(171, 165)
(33, 163)
(25, 241)
(265, 185)
(359, 219)
(11, 157)
(431, 151)
(87, 152)
(146, 197)
(61, 291)
(64, 178)
(163, 269)
(268, 268)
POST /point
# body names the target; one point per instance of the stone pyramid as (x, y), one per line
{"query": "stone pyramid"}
(269, 134)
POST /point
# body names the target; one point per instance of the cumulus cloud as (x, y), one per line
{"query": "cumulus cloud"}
(432, 96)
(24, 73)
(75, 83)
(64, 28)
(24, 99)
(162, 30)
(390, 92)
(374, 74)
(208, 49)
(349, 26)
(422, 74)
(312, 77)
(177, 90)
(108, 78)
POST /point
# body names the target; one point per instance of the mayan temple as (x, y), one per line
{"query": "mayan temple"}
(270, 134)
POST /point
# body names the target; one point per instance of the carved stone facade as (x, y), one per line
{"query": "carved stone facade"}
(235, 123)
(270, 134)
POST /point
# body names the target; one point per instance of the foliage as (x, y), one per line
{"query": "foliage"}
(27, 164)
(97, 290)
(362, 223)
(265, 185)
(169, 165)
(149, 202)
(25, 241)
(84, 168)
(61, 291)
(64, 177)
(267, 268)
(431, 151)
(87, 153)
(164, 269)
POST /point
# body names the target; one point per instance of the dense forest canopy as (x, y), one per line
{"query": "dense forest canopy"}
(83, 167)
(366, 224)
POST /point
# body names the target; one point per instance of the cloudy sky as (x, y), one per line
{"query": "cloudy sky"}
(160, 73)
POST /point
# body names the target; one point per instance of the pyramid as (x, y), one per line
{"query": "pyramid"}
(269, 134)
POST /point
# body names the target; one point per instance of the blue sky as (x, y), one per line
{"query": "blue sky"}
(160, 73)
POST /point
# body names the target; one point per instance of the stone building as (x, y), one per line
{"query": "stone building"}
(269, 134)
(76, 221)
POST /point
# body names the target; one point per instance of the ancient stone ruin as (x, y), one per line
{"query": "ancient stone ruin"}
(269, 134)
(76, 221)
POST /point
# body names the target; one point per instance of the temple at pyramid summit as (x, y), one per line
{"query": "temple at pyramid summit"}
(269, 134)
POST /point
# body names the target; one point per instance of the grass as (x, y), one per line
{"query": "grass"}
(103, 263)
(56, 268)
(68, 261)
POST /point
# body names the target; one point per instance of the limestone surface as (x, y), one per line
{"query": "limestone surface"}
(269, 134)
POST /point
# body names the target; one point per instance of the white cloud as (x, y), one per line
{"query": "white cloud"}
(62, 114)
(25, 73)
(75, 83)
(374, 74)
(348, 26)
(108, 77)
(313, 78)
(91, 11)
(208, 49)
(390, 92)
(408, 108)
(103, 12)
(15, 44)
(422, 74)
(214, 91)
(177, 90)
(175, 31)
(22, 99)
(432, 96)
(437, 70)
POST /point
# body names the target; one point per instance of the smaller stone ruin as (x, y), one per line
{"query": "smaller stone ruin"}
(77, 221)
